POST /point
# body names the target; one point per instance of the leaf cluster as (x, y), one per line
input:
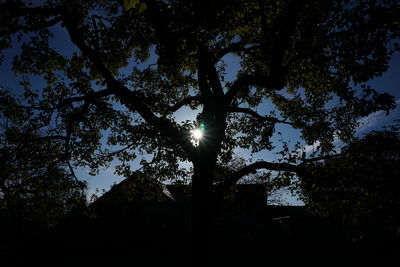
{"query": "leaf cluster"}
(359, 188)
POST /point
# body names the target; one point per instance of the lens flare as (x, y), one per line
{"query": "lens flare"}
(197, 134)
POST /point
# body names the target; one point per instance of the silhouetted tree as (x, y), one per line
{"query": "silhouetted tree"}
(275, 185)
(37, 188)
(359, 188)
(131, 65)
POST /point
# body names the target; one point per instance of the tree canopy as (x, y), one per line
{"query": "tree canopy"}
(36, 183)
(130, 65)
(359, 187)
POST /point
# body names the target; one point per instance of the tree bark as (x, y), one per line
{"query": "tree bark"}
(201, 213)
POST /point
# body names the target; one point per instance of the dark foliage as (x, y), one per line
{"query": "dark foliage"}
(114, 89)
(360, 188)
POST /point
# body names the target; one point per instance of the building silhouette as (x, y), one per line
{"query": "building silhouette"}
(144, 223)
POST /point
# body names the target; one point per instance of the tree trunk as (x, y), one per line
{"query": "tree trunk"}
(201, 214)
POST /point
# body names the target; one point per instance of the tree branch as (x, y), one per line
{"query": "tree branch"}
(235, 177)
(305, 161)
(233, 47)
(16, 9)
(31, 27)
(77, 116)
(271, 166)
(204, 87)
(244, 82)
(90, 97)
(207, 64)
(165, 35)
(257, 116)
(80, 183)
(284, 36)
(280, 43)
(46, 138)
(135, 101)
(183, 102)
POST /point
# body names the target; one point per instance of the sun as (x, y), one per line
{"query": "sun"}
(197, 134)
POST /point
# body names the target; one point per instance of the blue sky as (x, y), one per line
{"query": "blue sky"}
(389, 82)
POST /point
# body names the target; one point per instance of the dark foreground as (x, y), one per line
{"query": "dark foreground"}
(124, 230)
(284, 236)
